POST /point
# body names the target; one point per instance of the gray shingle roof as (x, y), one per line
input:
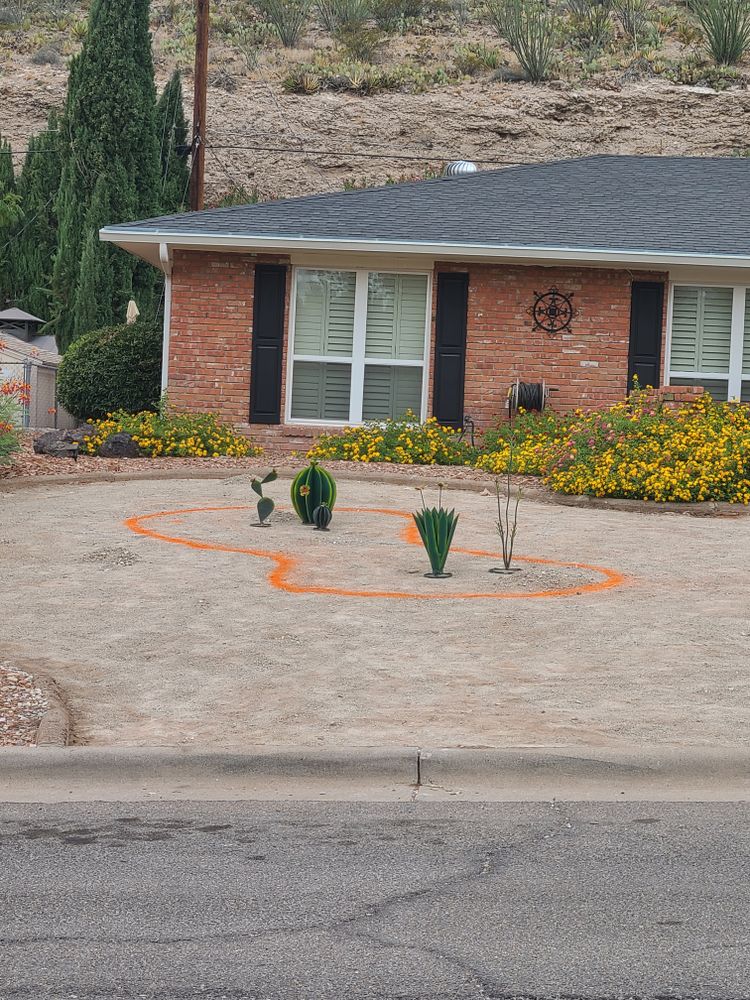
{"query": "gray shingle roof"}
(686, 205)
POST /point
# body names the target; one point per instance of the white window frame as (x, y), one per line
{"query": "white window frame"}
(733, 377)
(358, 361)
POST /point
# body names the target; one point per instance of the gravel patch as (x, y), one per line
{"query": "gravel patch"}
(22, 705)
(117, 555)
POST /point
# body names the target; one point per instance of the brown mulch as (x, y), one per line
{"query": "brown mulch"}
(22, 705)
(25, 463)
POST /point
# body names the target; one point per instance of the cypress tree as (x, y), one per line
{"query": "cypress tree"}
(110, 135)
(173, 129)
(9, 214)
(97, 273)
(36, 239)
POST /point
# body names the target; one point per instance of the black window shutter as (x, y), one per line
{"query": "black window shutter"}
(268, 343)
(646, 321)
(450, 348)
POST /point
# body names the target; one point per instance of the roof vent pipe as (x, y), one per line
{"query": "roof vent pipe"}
(458, 168)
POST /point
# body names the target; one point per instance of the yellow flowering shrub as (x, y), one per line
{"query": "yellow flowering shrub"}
(405, 441)
(537, 438)
(636, 449)
(184, 435)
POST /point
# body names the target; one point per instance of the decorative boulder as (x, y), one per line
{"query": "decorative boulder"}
(62, 443)
(48, 443)
(119, 445)
(77, 434)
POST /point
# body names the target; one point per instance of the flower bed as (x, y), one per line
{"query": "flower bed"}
(183, 435)
(637, 449)
(406, 442)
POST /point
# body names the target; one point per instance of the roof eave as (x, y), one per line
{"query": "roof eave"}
(141, 242)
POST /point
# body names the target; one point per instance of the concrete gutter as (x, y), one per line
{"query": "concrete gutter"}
(374, 774)
(55, 726)
(537, 494)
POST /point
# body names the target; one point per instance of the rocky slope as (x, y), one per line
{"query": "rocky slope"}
(286, 144)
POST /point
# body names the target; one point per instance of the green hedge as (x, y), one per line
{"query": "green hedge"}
(115, 368)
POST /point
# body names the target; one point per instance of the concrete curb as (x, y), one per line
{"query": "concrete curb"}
(55, 725)
(512, 774)
(549, 767)
(537, 494)
(86, 773)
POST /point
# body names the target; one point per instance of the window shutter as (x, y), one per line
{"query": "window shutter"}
(269, 299)
(746, 339)
(390, 391)
(320, 391)
(324, 321)
(701, 329)
(396, 314)
(684, 355)
(646, 327)
(717, 330)
(450, 348)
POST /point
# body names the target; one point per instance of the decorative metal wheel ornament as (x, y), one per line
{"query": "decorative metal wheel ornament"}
(552, 311)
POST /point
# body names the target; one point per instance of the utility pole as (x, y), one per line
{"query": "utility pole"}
(198, 165)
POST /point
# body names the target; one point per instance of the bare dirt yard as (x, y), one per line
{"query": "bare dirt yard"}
(193, 627)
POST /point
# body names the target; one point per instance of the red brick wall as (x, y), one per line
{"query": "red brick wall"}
(211, 332)
(588, 365)
(212, 315)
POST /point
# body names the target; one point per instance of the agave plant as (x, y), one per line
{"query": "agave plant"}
(436, 527)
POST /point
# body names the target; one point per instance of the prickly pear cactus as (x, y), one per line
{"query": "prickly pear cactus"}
(311, 488)
(322, 517)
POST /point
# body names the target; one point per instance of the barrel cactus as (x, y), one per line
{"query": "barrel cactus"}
(311, 488)
(322, 517)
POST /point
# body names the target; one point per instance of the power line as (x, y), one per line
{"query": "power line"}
(367, 153)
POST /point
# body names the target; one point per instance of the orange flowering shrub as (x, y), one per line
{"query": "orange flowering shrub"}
(14, 395)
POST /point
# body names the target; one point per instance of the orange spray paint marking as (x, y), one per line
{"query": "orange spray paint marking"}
(284, 564)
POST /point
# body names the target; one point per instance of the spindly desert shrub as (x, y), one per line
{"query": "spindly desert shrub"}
(726, 28)
(288, 18)
(530, 28)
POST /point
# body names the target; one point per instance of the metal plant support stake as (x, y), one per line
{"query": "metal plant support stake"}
(507, 525)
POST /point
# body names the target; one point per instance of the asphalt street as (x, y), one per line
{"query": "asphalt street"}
(246, 900)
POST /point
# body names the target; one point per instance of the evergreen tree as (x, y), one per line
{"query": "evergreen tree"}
(96, 274)
(174, 133)
(9, 214)
(110, 158)
(35, 241)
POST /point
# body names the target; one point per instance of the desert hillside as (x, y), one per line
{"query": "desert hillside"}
(343, 129)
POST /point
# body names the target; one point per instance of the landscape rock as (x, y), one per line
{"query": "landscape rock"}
(119, 445)
(77, 434)
(46, 444)
(62, 444)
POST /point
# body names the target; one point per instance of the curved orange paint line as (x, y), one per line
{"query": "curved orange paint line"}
(286, 564)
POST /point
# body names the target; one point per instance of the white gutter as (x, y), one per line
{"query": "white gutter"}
(111, 234)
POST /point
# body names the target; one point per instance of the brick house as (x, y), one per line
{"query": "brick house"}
(436, 296)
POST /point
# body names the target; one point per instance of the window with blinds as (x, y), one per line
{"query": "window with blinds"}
(396, 309)
(359, 345)
(710, 340)
(701, 329)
